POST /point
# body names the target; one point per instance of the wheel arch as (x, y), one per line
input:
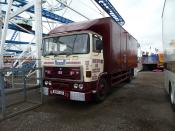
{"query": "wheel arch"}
(103, 75)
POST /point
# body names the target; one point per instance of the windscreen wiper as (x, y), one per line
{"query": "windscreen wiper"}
(65, 53)
(50, 53)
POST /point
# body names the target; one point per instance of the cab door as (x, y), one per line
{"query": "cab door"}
(97, 56)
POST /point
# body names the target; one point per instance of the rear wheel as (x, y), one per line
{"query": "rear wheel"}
(130, 75)
(171, 94)
(102, 91)
(128, 80)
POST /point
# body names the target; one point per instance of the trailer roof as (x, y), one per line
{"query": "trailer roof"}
(78, 26)
(92, 25)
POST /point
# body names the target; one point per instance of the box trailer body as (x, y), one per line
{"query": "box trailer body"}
(153, 62)
(111, 59)
(168, 30)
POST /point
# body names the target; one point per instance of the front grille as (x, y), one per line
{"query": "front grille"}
(73, 73)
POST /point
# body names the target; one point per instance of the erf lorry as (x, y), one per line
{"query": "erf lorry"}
(168, 24)
(83, 60)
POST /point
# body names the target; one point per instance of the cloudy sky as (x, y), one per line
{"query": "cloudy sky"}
(143, 20)
(142, 17)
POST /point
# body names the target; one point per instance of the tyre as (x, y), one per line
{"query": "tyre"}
(131, 74)
(172, 96)
(102, 91)
(128, 80)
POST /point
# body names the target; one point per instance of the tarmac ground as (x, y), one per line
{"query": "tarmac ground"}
(141, 105)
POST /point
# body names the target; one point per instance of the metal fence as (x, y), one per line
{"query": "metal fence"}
(20, 90)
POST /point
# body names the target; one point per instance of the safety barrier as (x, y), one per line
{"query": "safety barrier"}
(20, 91)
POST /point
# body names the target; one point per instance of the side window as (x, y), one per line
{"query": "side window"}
(97, 44)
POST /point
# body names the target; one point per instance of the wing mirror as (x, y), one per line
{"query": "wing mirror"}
(99, 45)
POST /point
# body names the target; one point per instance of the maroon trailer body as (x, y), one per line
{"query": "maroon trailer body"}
(114, 61)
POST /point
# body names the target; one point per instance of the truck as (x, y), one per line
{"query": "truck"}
(82, 61)
(153, 62)
(168, 35)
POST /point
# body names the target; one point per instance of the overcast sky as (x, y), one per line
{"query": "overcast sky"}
(143, 20)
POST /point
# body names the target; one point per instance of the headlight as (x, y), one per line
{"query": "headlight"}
(81, 86)
(46, 83)
(50, 83)
(75, 86)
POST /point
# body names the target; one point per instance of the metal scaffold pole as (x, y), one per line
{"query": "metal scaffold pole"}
(38, 33)
(0, 20)
(4, 32)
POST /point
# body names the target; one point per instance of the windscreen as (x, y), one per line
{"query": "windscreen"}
(66, 45)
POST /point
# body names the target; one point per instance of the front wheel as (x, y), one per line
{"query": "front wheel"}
(102, 91)
(172, 98)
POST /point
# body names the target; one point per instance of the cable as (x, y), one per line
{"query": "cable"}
(98, 11)
(67, 8)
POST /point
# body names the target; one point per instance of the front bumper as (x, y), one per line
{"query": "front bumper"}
(67, 90)
(68, 95)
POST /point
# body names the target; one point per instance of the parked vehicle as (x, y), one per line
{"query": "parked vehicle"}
(153, 62)
(84, 60)
(169, 47)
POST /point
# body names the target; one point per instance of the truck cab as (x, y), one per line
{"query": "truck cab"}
(72, 63)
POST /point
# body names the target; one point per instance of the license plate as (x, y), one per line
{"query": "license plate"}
(78, 96)
(58, 92)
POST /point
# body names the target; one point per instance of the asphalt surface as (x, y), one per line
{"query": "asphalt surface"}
(141, 105)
